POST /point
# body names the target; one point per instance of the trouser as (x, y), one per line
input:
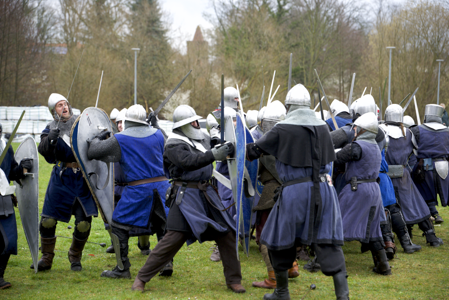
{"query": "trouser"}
(262, 216)
(330, 257)
(432, 207)
(47, 226)
(3, 263)
(167, 248)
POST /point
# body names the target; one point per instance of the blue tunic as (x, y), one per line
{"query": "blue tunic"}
(361, 210)
(340, 122)
(288, 223)
(413, 206)
(386, 186)
(433, 144)
(141, 158)
(65, 187)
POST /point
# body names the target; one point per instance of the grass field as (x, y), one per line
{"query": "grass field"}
(423, 275)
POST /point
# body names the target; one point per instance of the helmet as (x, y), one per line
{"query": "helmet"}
(114, 114)
(136, 114)
(394, 113)
(121, 115)
(211, 122)
(55, 98)
(368, 122)
(274, 113)
(433, 110)
(337, 107)
(408, 121)
(251, 118)
(231, 98)
(182, 117)
(364, 105)
(298, 95)
(260, 114)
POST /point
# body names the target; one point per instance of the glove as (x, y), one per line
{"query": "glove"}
(103, 135)
(53, 136)
(152, 120)
(27, 163)
(220, 152)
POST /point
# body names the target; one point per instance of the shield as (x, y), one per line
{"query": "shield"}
(441, 166)
(27, 192)
(236, 166)
(252, 168)
(98, 174)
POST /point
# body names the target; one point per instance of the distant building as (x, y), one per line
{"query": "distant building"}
(198, 49)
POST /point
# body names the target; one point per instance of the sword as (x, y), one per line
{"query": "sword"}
(290, 73)
(405, 107)
(321, 106)
(327, 101)
(222, 110)
(418, 120)
(156, 112)
(318, 102)
(76, 72)
(350, 92)
(271, 99)
(99, 88)
(364, 91)
(261, 98)
(400, 103)
(380, 104)
(2, 157)
(271, 88)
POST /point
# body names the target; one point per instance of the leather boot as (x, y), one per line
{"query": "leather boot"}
(432, 239)
(406, 243)
(381, 265)
(341, 286)
(390, 247)
(281, 291)
(167, 270)
(48, 252)
(138, 285)
(401, 229)
(3, 262)
(429, 232)
(268, 283)
(75, 253)
(293, 271)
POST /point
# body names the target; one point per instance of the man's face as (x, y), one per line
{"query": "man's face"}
(62, 109)
(120, 126)
(195, 124)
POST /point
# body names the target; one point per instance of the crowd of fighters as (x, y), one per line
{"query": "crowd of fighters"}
(322, 186)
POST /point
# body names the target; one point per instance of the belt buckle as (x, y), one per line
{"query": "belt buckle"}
(323, 179)
(75, 170)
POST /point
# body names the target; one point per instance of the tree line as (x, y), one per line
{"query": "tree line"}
(41, 47)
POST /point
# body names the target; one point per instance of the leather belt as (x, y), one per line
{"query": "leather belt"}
(199, 185)
(189, 184)
(147, 180)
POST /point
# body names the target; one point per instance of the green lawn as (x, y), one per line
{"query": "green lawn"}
(423, 275)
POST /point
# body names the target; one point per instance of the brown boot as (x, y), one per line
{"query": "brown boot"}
(48, 252)
(293, 271)
(75, 253)
(269, 283)
(138, 285)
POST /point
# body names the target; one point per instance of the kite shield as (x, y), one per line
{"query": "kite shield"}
(27, 192)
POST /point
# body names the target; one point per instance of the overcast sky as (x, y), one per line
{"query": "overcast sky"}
(185, 15)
